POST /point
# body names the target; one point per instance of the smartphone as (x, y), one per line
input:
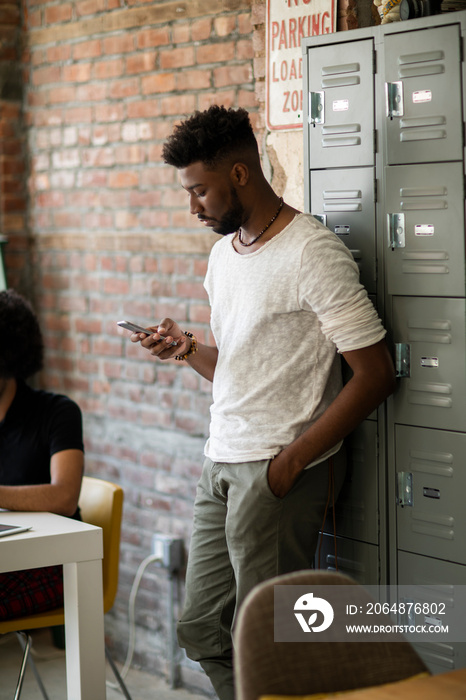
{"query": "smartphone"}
(134, 328)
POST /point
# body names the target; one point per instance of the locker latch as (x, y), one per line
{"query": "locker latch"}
(404, 492)
(396, 230)
(321, 217)
(394, 99)
(402, 360)
(316, 108)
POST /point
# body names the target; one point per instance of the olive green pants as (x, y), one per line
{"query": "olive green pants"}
(242, 535)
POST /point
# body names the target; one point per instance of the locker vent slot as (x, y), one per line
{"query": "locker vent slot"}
(421, 70)
(423, 191)
(414, 122)
(422, 206)
(425, 523)
(341, 129)
(434, 324)
(336, 141)
(341, 68)
(430, 394)
(423, 336)
(344, 81)
(420, 57)
(423, 135)
(342, 200)
(342, 194)
(425, 255)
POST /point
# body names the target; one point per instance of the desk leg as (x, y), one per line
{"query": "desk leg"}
(84, 631)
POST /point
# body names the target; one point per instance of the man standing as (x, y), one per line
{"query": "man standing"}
(285, 301)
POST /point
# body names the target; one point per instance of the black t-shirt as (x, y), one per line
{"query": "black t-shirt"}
(38, 424)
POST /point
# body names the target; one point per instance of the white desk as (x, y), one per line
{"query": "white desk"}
(78, 546)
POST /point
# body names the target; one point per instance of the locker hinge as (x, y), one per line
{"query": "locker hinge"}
(394, 99)
(375, 141)
(404, 489)
(402, 360)
(375, 189)
(396, 230)
(374, 61)
(316, 108)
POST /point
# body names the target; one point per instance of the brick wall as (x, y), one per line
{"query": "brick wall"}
(98, 229)
(106, 234)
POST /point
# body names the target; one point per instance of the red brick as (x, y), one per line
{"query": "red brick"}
(212, 53)
(58, 53)
(118, 44)
(109, 113)
(193, 79)
(89, 7)
(145, 109)
(87, 49)
(77, 73)
(140, 63)
(158, 82)
(50, 74)
(120, 89)
(224, 26)
(201, 29)
(109, 69)
(232, 75)
(122, 178)
(177, 58)
(58, 13)
(179, 104)
(152, 37)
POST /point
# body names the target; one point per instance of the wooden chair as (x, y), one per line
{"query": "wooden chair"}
(101, 504)
(264, 667)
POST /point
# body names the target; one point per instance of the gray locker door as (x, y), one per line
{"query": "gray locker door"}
(356, 559)
(438, 580)
(423, 93)
(346, 199)
(356, 511)
(431, 464)
(432, 333)
(425, 230)
(341, 98)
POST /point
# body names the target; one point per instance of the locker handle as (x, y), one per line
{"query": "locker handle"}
(402, 360)
(404, 489)
(316, 108)
(396, 230)
(394, 99)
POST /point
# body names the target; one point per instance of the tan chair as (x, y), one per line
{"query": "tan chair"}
(101, 504)
(264, 667)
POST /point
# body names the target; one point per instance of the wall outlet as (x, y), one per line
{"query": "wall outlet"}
(168, 550)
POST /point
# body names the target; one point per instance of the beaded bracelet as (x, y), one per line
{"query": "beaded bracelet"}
(192, 350)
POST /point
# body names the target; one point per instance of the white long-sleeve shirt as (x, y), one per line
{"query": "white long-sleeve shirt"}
(279, 316)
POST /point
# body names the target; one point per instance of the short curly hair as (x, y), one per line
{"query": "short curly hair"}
(210, 137)
(21, 344)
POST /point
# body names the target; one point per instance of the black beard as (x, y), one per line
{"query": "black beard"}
(232, 219)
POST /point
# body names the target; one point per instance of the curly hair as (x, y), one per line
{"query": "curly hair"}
(210, 137)
(21, 344)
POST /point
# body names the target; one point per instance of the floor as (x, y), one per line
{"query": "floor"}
(50, 662)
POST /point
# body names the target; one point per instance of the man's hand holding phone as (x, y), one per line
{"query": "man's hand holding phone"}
(163, 341)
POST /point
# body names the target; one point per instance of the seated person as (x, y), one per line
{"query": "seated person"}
(41, 452)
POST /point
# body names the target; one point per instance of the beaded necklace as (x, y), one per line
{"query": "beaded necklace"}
(246, 245)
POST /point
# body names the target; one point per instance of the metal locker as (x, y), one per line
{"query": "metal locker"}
(356, 510)
(438, 580)
(425, 243)
(341, 113)
(344, 200)
(359, 560)
(429, 336)
(423, 95)
(431, 484)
